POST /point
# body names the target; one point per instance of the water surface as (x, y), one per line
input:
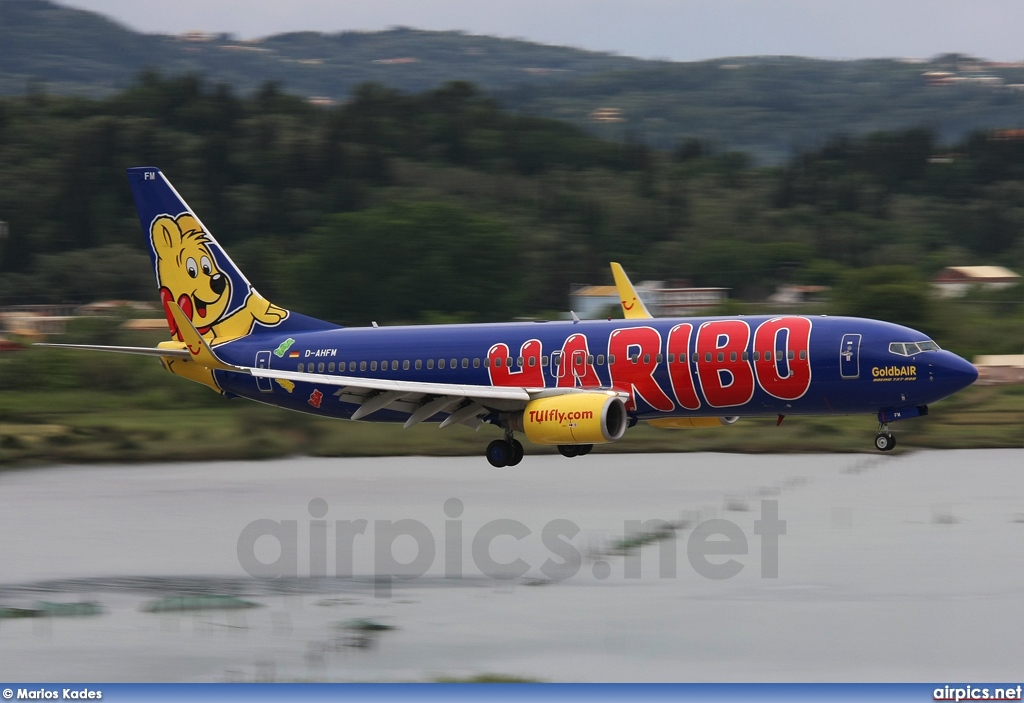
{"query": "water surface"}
(902, 567)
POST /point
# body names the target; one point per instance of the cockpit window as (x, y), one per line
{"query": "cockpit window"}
(911, 348)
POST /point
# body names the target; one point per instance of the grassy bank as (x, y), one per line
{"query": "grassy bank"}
(81, 426)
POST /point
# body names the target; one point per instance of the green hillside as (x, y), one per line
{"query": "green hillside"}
(81, 53)
(451, 208)
(769, 107)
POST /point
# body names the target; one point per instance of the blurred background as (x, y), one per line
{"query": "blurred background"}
(463, 178)
(438, 175)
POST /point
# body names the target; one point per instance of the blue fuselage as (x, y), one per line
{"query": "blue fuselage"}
(685, 367)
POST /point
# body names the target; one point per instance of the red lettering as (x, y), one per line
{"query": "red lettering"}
(679, 366)
(575, 355)
(530, 375)
(635, 375)
(725, 377)
(769, 347)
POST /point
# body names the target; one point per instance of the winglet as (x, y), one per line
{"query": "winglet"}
(199, 350)
(633, 307)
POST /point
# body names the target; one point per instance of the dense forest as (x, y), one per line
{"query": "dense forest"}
(442, 206)
(768, 107)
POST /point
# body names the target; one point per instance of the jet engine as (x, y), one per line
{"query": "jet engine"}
(573, 418)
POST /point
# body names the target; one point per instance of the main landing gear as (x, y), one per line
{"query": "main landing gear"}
(571, 450)
(505, 452)
(509, 451)
(885, 441)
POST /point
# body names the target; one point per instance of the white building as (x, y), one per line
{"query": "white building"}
(955, 281)
(679, 301)
(590, 302)
(797, 295)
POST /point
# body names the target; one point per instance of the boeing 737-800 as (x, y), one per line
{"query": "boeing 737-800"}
(572, 384)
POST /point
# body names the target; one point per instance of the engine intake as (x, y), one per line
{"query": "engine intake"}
(573, 418)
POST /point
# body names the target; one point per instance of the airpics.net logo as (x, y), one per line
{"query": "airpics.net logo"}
(716, 548)
(977, 693)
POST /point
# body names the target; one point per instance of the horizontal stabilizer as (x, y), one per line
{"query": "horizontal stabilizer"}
(141, 351)
(200, 351)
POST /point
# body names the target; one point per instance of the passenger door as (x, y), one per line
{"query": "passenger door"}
(849, 356)
(263, 362)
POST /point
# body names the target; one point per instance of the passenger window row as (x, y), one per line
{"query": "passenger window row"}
(393, 364)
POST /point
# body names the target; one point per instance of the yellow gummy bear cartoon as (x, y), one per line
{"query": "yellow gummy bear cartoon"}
(188, 274)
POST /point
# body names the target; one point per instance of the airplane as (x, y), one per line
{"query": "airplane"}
(572, 383)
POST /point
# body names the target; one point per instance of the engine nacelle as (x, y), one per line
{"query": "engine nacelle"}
(690, 423)
(573, 418)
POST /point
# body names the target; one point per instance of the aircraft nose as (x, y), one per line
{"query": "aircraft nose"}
(956, 372)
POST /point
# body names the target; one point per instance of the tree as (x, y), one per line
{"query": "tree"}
(402, 260)
(894, 293)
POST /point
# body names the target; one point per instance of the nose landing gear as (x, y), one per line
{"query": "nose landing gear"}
(885, 441)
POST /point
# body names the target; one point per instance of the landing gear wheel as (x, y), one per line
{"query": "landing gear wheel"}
(584, 449)
(884, 442)
(499, 453)
(517, 452)
(568, 450)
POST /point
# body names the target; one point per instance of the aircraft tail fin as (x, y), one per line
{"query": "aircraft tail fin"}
(193, 270)
(633, 307)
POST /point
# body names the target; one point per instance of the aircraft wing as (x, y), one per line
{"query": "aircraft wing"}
(465, 404)
(380, 384)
